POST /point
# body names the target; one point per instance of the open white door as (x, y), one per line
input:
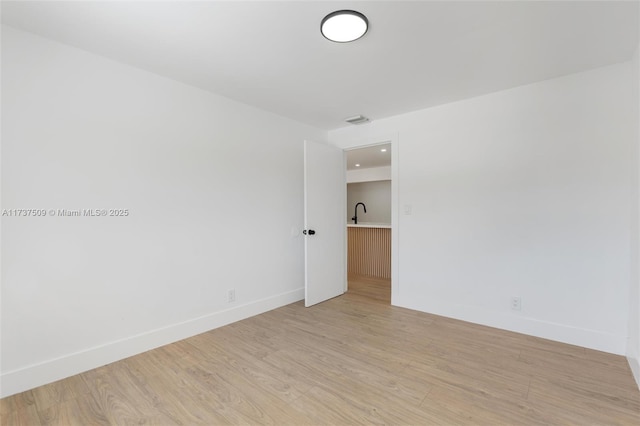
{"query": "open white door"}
(324, 222)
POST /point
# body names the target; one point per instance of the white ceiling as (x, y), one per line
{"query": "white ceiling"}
(371, 156)
(272, 55)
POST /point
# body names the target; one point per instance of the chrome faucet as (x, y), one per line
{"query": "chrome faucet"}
(355, 217)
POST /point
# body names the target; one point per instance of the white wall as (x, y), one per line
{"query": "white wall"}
(525, 192)
(369, 174)
(213, 187)
(633, 347)
(377, 198)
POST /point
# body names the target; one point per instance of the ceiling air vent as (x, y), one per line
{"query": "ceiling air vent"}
(358, 119)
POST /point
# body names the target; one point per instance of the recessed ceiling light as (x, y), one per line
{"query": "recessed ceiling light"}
(383, 150)
(343, 26)
(357, 165)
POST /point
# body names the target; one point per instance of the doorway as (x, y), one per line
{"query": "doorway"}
(369, 221)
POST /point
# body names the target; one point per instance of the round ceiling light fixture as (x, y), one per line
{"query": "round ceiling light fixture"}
(343, 26)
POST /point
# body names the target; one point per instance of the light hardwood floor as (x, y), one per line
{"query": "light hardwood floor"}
(374, 288)
(351, 360)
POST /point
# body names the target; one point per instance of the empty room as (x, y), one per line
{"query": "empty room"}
(320, 212)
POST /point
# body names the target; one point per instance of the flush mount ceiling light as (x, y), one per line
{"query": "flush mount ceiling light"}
(343, 26)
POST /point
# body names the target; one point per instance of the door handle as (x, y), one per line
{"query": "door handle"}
(309, 232)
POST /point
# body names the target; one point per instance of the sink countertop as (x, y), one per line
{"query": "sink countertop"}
(369, 225)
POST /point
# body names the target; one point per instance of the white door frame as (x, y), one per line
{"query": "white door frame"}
(349, 145)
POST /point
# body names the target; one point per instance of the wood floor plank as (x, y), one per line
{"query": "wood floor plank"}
(373, 288)
(270, 379)
(73, 412)
(484, 382)
(323, 409)
(59, 392)
(354, 359)
(247, 398)
(594, 402)
(17, 402)
(23, 415)
(466, 406)
(114, 393)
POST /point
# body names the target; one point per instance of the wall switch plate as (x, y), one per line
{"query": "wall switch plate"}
(407, 209)
(231, 295)
(516, 303)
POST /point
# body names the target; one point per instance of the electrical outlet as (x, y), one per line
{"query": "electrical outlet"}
(516, 303)
(231, 295)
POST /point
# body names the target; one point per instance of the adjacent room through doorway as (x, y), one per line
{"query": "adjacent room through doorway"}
(369, 221)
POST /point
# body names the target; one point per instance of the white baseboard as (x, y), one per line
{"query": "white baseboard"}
(634, 363)
(32, 376)
(586, 338)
